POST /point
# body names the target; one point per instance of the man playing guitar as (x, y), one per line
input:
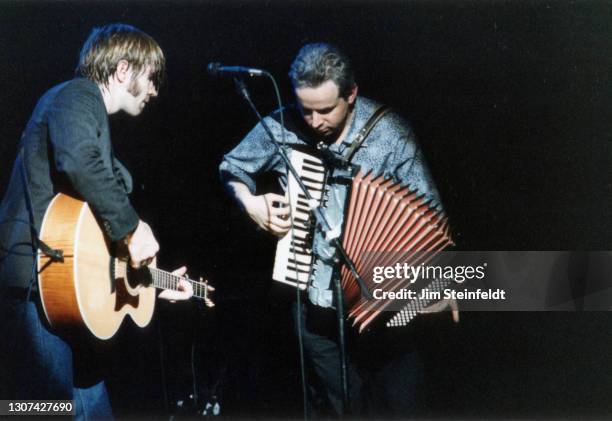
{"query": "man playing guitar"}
(66, 147)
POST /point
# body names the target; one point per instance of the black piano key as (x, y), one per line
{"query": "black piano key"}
(303, 222)
(312, 162)
(306, 180)
(312, 189)
(301, 231)
(295, 281)
(292, 268)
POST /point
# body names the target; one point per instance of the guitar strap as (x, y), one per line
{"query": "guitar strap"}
(38, 244)
(364, 132)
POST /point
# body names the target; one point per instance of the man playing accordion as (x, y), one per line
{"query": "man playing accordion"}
(329, 112)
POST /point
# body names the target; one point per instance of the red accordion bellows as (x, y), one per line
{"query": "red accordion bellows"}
(386, 223)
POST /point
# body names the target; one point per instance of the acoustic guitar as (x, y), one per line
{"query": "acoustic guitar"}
(90, 287)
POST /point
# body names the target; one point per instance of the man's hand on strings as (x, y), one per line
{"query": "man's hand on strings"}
(184, 292)
(142, 246)
(271, 212)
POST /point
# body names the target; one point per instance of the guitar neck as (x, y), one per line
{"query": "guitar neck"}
(166, 280)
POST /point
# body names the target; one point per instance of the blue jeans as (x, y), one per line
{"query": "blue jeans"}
(37, 364)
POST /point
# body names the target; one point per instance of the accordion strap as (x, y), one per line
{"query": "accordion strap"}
(365, 131)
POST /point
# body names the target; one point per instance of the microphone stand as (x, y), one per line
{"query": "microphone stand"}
(326, 227)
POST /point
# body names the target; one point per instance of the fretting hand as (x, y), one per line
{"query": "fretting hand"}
(184, 291)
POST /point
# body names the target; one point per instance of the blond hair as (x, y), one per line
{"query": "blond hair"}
(108, 45)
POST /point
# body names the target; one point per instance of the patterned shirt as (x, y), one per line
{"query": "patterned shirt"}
(390, 149)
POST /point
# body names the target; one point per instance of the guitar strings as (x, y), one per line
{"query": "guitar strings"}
(170, 281)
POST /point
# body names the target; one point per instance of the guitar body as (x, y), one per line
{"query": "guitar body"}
(90, 289)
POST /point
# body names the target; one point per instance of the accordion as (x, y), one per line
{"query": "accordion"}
(385, 223)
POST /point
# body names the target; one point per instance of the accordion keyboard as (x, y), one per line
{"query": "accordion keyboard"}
(294, 258)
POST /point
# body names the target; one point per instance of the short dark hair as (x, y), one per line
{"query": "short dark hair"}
(319, 62)
(109, 44)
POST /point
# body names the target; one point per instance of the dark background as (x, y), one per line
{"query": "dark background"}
(511, 101)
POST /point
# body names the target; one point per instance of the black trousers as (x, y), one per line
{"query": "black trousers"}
(385, 373)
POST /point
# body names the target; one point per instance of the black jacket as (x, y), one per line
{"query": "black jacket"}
(65, 147)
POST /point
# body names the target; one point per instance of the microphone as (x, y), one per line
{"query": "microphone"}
(217, 69)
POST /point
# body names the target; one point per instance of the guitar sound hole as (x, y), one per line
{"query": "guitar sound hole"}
(136, 277)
